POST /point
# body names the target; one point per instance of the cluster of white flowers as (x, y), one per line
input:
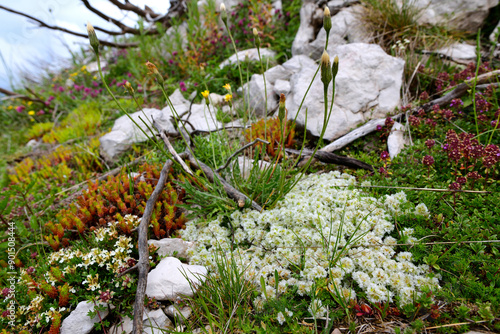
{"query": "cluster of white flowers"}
(112, 260)
(320, 230)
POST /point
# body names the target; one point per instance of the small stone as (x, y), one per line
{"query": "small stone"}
(172, 247)
(181, 315)
(78, 322)
(171, 279)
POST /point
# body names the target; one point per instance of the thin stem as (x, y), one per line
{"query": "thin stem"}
(478, 52)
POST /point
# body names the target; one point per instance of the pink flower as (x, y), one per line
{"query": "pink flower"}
(20, 108)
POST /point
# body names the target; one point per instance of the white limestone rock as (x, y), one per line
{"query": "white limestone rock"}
(250, 55)
(245, 165)
(171, 246)
(305, 34)
(465, 15)
(125, 133)
(154, 322)
(277, 73)
(396, 140)
(367, 86)
(282, 87)
(180, 314)
(347, 27)
(78, 322)
(171, 279)
(460, 52)
(257, 95)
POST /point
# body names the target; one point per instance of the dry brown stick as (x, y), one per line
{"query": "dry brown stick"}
(133, 8)
(170, 148)
(124, 28)
(143, 263)
(15, 95)
(328, 157)
(213, 177)
(371, 126)
(457, 324)
(459, 90)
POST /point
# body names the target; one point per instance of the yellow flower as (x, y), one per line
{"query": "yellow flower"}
(227, 87)
(30, 103)
(84, 68)
(73, 74)
(31, 113)
(228, 97)
(94, 77)
(205, 94)
(10, 107)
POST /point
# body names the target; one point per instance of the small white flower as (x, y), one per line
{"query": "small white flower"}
(281, 318)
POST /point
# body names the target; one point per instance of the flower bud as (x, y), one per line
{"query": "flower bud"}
(281, 108)
(326, 70)
(327, 20)
(94, 41)
(129, 87)
(223, 12)
(257, 38)
(335, 66)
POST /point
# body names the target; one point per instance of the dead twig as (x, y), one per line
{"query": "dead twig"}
(329, 157)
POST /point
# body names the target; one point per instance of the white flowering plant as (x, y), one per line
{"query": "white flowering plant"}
(323, 233)
(88, 270)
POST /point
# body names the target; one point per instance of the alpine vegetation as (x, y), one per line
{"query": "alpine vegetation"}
(323, 232)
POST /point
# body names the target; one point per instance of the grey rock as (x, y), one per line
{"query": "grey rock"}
(257, 95)
(277, 73)
(154, 322)
(33, 143)
(282, 87)
(465, 15)
(245, 165)
(169, 246)
(124, 132)
(396, 140)
(78, 322)
(93, 68)
(180, 314)
(250, 55)
(367, 86)
(171, 279)
(305, 34)
(459, 52)
(346, 28)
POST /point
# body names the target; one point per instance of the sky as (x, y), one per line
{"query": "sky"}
(26, 48)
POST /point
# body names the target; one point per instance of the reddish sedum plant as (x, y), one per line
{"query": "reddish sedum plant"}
(112, 200)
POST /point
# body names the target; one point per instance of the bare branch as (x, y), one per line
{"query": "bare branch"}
(45, 25)
(133, 8)
(328, 157)
(123, 27)
(14, 95)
